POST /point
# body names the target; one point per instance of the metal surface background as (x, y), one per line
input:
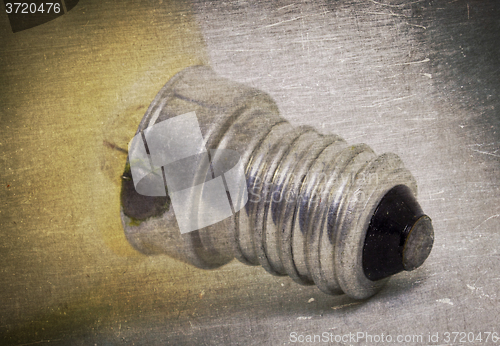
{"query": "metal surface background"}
(420, 79)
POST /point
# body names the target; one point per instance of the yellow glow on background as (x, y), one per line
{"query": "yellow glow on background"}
(69, 88)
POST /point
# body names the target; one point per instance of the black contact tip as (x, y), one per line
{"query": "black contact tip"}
(399, 237)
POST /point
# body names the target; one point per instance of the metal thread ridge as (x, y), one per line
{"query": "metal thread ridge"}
(311, 196)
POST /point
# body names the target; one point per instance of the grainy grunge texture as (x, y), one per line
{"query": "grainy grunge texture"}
(417, 78)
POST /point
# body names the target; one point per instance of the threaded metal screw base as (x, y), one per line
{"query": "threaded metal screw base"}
(311, 196)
